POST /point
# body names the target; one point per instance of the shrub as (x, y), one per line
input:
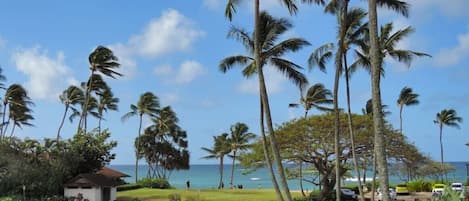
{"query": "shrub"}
(127, 187)
(419, 186)
(154, 183)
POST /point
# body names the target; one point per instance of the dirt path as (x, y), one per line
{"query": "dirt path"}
(420, 196)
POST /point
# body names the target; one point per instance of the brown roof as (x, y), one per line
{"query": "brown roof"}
(111, 173)
(91, 180)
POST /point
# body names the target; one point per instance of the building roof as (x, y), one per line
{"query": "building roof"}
(91, 180)
(111, 173)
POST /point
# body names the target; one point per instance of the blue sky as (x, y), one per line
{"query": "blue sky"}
(172, 48)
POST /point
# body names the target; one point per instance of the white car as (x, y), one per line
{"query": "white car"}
(457, 187)
(392, 194)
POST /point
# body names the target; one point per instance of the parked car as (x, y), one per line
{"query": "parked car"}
(402, 189)
(392, 194)
(348, 194)
(458, 187)
(438, 189)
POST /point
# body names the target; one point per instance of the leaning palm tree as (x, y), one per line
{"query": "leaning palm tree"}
(239, 141)
(20, 115)
(71, 96)
(15, 96)
(315, 97)
(102, 60)
(220, 149)
(106, 102)
(446, 117)
(406, 98)
(271, 53)
(147, 105)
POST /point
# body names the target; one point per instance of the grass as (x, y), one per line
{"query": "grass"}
(146, 194)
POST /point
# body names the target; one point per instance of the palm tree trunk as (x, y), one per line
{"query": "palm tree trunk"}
(232, 168)
(137, 144)
(376, 100)
(401, 106)
(99, 123)
(220, 184)
(7, 123)
(12, 130)
(441, 152)
(335, 101)
(301, 164)
(61, 124)
(373, 184)
(268, 161)
(82, 122)
(265, 101)
(2, 134)
(350, 127)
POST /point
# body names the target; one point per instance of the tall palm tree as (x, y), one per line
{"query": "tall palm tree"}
(106, 102)
(315, 97)
(446, 117)
(71, 96)
(20, 114)
(270, 52)
(220, 149)
(406, 98)
(376, 60)
(147, 105)
(102, 60)
(239, 141)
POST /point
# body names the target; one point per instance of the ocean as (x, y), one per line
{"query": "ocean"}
(207, 177)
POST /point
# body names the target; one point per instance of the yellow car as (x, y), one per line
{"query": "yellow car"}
(402, 189)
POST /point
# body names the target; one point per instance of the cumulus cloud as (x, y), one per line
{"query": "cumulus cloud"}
(274, 81)
(186, 73)
(451, 56)
(213, 4)
(47, 76)
(172, 32)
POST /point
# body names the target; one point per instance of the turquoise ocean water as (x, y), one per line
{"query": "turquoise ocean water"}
(207, 176)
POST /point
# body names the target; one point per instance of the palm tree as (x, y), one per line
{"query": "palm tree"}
(271, 28)
(239, 141)
(71, 96)
(20, 114)
(446, 117)
(147, 105)
(106, 102)
(376, 61)
(406, 98)
(102, 60)
(2, 79)
(315, 97)
(220, 148)
(16, 99)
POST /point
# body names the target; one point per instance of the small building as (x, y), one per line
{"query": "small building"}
(100, 186)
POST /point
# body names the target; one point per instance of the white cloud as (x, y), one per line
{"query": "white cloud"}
(163, 70)
(274, 81)
(213, 4)
(47, 76)
(169, 98)
(172, 32)
(189, 71)
(451, 56)
(453, 8)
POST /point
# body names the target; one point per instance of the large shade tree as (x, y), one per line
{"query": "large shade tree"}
(147, 105)
(269, 53)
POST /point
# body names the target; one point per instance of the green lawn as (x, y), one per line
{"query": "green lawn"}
(146, 194)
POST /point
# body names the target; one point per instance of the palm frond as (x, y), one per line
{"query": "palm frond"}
(292, 44)
(231, 8)
(229, 62)
(321, 56)
(401, 7)
(242, 36)
(288, 68)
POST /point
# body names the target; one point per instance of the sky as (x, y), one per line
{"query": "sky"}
(173, 48)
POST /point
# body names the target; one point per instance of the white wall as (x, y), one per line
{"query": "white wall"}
(92, 194)
(113, 193)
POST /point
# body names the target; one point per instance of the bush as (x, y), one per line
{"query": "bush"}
(154, 183)
(419, 186)
(174, 197)
(127, 187)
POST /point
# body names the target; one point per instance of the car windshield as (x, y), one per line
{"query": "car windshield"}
(456, 185)
(401, 185)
